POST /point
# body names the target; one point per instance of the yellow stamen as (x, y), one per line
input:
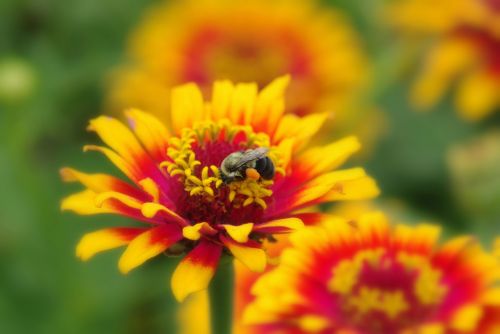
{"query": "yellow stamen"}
(183, 163)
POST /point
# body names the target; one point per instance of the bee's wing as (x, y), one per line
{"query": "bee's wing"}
(251, 155)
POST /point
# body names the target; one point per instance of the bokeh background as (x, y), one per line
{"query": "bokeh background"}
(55, 60)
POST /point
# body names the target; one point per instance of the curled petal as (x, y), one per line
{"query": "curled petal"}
(151, 209)
(239, 233)
(127, 200)
(194, 232)
(147, 245)
(83, 203)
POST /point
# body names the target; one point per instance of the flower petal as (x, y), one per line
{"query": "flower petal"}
(187, 106)
(300, 128)
(478, 94)
(83, 203)
(151, 209)
(234, 102)
(150, 131)
(249, 253)
(194, 232)
(129, 170)
(147, 245)
(270, 105)
(323, 159)
(118, 137)
(100, 182)
(239, 233)
(127, 200)
(284, 225)
(196, 270)
(343, 184)
(102, 240)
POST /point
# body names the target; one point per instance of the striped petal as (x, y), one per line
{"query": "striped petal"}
(122, 141)
(323, 159)
(360, 188)
(106, 239)
(150, 131)
(249, 253)
(147, 245)
(285, 225)
(100, 182)
(187, 106)
(118, 137)
(343, 184)
(126, 168)
(152, 210)
(196, 270)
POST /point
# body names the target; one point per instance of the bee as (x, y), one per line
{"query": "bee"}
(253, 164)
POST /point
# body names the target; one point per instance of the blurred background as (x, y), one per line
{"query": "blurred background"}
(56, 60)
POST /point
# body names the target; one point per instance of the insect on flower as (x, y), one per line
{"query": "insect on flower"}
(225, 176)
(253, 164)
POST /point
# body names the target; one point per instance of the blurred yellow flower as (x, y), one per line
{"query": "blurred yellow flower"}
(180, 189)
(205, 40)
(464, 52)
(366, 276)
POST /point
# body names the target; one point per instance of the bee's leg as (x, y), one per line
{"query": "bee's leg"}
(252, 173)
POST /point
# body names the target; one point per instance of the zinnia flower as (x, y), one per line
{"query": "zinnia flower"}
(465, 51)
(177, 188)
(244, 41)
(365, 276)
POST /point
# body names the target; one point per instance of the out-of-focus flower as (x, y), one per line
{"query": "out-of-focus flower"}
(179, 189)
(244, 41)
(475, 173)
(364, 276)
(465, 51)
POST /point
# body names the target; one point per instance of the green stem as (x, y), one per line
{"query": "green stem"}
(221, 298)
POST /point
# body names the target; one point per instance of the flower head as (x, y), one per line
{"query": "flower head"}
(177, 187)
(466, 49)
(365, 276)
(244, 41)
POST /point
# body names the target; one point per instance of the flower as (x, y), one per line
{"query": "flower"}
(465, 51)
(177, 189)
(244, 41)
(365, 276)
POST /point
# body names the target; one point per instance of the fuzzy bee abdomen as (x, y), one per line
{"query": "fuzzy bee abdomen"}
(265, 167)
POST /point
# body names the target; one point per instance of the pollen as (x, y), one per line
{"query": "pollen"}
(195, 157)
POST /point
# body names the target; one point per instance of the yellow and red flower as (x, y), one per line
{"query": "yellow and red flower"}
(177, 190)
(243, 41)
(364, 276)
(465, 51)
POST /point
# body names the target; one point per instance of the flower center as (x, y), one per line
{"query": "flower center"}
(194, 167)
(244, 55)
(381, 292)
